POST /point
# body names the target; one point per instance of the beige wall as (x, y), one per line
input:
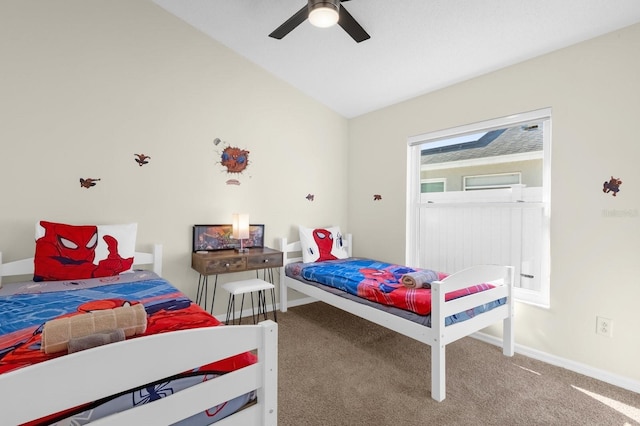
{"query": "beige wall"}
(594, 91)
(85, 85)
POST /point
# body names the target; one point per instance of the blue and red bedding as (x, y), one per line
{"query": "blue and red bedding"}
(26, 307)
(377, 282)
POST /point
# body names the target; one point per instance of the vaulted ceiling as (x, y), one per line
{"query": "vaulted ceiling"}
(416, 46)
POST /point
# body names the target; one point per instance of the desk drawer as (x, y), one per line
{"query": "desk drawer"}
(265, 261)
(229, 264)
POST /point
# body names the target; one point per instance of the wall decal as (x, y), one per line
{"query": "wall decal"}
(613, 186)
(235, 160)
(310, 197)
(88, 182)
(377, 197)
(142, 159)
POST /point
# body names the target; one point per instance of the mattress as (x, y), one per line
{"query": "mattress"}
(346, 278)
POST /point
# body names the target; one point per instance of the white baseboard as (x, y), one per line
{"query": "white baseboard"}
(586, 370)
(299, 302)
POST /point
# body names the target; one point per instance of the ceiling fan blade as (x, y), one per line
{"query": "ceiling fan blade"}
(351, 26)
(290, 24)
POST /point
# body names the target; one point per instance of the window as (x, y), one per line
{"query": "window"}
(433, 185)
(495, 205)
(492, 181)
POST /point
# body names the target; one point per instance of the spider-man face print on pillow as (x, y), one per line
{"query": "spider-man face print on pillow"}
(65, 252)
(319, 244)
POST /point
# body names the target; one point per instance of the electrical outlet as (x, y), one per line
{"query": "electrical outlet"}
(604, 326)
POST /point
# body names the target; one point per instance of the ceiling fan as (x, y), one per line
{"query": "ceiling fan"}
(323, 13)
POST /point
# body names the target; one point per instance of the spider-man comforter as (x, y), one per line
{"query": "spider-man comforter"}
(378, 282)
(24, 312)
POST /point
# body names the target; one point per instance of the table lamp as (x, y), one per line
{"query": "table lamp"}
(241, 229)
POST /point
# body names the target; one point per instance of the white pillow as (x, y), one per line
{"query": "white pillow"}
(125, 234)
(319, 244)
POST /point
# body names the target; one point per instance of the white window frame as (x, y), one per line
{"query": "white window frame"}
(535, 297)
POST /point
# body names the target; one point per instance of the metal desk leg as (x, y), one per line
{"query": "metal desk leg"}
(241, 308)
(203, 283)
(267, 274)
(253, 312)
(273, 305)
(202, 292)
(231, 307)
(213, 297)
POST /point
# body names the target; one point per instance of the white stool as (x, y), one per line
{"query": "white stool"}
(249, 286)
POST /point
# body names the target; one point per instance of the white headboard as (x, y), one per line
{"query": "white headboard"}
(25, 266)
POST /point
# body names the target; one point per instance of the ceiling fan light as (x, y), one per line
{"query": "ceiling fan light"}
(323, 14)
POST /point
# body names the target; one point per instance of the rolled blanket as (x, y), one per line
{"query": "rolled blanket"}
(77, 344)
(57, 333)
(419, 279)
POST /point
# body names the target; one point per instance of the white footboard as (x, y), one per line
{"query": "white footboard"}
(92, 374)
(502, 278)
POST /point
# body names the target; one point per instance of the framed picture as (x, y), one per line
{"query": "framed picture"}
(220, 237)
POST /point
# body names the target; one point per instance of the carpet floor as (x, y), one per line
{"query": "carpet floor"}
(338, 369)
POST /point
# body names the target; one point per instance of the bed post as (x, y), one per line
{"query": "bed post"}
(438, 376)
(508, 337)
(268, 354)
(438, 364)
(157, 259)
(283, 286)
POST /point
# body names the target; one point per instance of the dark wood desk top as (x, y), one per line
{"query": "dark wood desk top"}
(225, 261)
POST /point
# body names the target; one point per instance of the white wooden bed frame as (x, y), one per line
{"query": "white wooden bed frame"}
(437, 336)
(58, 384)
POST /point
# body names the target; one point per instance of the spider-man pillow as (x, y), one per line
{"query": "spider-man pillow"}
(321, 244)
(68, 252)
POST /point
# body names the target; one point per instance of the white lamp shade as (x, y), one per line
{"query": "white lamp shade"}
(240, 226)
(323, 16)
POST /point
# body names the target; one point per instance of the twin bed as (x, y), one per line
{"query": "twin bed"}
(183, 368)
(442, 315)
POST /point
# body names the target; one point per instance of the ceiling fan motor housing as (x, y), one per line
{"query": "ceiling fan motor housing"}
(323, 13)
(332, 4)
